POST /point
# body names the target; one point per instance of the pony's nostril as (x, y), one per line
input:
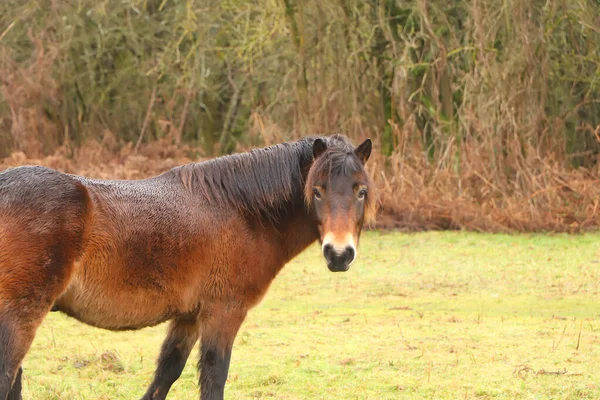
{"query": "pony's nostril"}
(349, 254)
(328, 251)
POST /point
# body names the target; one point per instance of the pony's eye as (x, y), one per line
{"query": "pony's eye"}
(362, 194)
(317, 194)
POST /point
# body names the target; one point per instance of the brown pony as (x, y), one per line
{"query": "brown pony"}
(197, 246)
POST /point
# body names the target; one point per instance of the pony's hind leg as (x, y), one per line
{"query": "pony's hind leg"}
(8, 374)
(26, 295)
(16, 336)
(42, 224)
(183, 334)
(15, 391)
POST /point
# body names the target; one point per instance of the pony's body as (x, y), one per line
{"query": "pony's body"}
(198, 245)
(155, 252)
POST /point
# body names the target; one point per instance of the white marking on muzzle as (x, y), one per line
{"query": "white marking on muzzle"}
(339, 246)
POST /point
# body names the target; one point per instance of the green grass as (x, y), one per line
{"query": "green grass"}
(433, 315)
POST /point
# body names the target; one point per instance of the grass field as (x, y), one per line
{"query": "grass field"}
(432, 315)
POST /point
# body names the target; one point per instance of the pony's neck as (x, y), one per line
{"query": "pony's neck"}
(294, 226)
(266, 186)
(297, 229)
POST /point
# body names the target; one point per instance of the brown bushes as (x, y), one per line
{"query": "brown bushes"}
(549, 198)
(412, 195)
(29, 91)
(96, 160)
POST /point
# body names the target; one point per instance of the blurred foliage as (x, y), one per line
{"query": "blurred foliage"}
(512, 78)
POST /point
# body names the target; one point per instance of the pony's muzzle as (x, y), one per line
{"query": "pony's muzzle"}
(338, 260)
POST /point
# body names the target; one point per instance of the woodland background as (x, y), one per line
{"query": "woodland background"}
(485, 113)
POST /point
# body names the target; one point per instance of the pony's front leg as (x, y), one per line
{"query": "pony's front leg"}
(183, 334)
(218, 335)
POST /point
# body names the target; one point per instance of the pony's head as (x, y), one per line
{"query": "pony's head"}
(341, 197)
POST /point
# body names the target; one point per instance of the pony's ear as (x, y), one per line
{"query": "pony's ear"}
(319, 147)
(363, 151)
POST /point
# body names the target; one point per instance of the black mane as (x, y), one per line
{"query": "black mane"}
(262, 181)
(258, 182)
